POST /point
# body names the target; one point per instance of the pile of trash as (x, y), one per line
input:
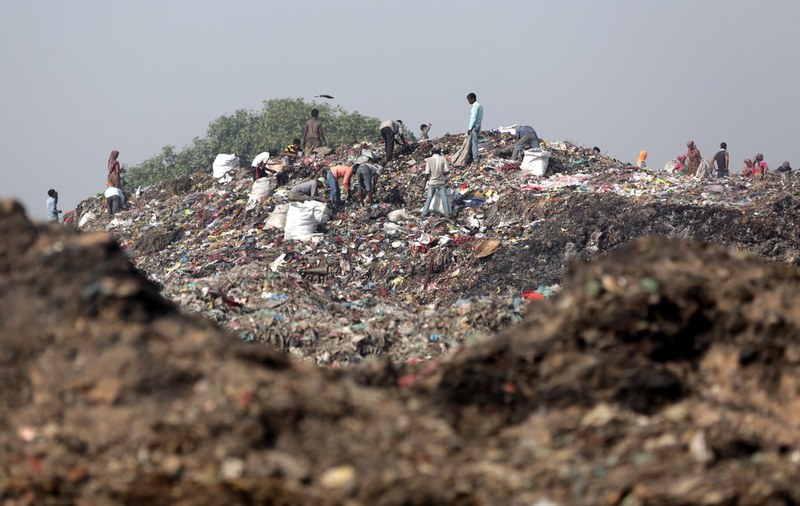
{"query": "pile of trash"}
(379, 278)
(665, 372)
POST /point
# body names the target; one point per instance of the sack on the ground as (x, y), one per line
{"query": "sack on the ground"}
(704, 169)
(535, 162)
(277, 218)
(302, 218)
(262, 188)
(670, 166)
(438, 205)
(461, 157)
(223, 165)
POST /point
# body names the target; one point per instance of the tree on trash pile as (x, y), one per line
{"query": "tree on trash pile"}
(247, 133)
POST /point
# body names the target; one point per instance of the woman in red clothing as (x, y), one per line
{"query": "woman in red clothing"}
(114, 170)
(693, 159)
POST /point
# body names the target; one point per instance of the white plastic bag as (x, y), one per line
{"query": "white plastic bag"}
(302, 218)
(535, 162)
(223, 164)
(399, 215)
(277, 218)
(86, 218)
(262, 188)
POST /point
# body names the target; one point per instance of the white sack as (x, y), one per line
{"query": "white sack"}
(535, 162)
(277, 218)
(399, 215)
(262, 188)
(223, 164)
(302, 218)
(86, 218)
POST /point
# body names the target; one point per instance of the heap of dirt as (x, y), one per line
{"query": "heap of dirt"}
(664, 373)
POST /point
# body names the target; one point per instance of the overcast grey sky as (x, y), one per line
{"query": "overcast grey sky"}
(83, 77)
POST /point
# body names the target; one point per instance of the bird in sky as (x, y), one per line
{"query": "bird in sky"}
(323, 96)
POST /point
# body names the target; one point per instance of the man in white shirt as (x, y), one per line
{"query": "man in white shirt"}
(389, 129)
(436, 170)
(115, 199)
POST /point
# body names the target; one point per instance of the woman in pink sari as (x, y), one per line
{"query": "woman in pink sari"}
(693, 159)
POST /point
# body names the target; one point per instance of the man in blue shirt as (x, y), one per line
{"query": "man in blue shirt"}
(475, 119)
(526, 136)
(52, 206)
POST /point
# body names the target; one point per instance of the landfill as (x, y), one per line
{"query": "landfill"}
(378, 279)
(664, 371)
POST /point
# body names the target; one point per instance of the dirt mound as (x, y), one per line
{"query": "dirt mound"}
(664, 373)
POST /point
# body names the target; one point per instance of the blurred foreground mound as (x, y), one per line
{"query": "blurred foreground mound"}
(666, 372)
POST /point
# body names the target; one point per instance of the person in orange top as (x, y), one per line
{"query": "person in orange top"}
(336, 172)
(641, 161)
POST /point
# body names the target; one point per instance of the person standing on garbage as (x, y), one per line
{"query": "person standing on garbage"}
(526, 137)
(693, 158)
(313, 136)
(721, 161)
(115, 170)
(367, 175)
(389, 129)
(335, 173)
(641, 162)
(115, 200)
(475, 120)
(51, 206)
(436, 170)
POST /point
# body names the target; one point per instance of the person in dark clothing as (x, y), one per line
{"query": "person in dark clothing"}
(313, 136)
(721, 161)
(389, 129)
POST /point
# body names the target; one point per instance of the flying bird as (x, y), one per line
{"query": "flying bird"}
(323, 96)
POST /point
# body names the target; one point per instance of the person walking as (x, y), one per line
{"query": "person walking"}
(389, 129)
(51, 206)
(475, 120)
(526, 137)
(436, 170)
(721, 161)
(313, 136)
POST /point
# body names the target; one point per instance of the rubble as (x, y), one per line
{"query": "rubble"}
(664, 372)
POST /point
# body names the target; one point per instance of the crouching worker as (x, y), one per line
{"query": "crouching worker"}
(335, 173)
(436, 170)
(367, 180)
(307, 190)
(526, 138)
(115, 200)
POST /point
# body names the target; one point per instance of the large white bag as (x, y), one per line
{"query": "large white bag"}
(262, 188)
(277, 218)
(438, 205)
(302, 218)
(535, 162)
(223, 164)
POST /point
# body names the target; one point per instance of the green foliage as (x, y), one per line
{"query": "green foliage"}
(247, 133)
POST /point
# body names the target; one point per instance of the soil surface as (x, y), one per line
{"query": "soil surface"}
(664, 372)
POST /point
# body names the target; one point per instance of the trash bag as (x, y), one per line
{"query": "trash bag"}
(438, 205)
(277, 218)
(303, 218)
(223, 165)
(262, 188)
(704, 169)
(535, 162)
(670, 166)
(461, 157)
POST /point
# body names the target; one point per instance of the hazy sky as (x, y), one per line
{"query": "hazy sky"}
(81, 78)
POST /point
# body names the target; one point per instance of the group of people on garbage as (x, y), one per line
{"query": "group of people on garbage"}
(692, 163)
